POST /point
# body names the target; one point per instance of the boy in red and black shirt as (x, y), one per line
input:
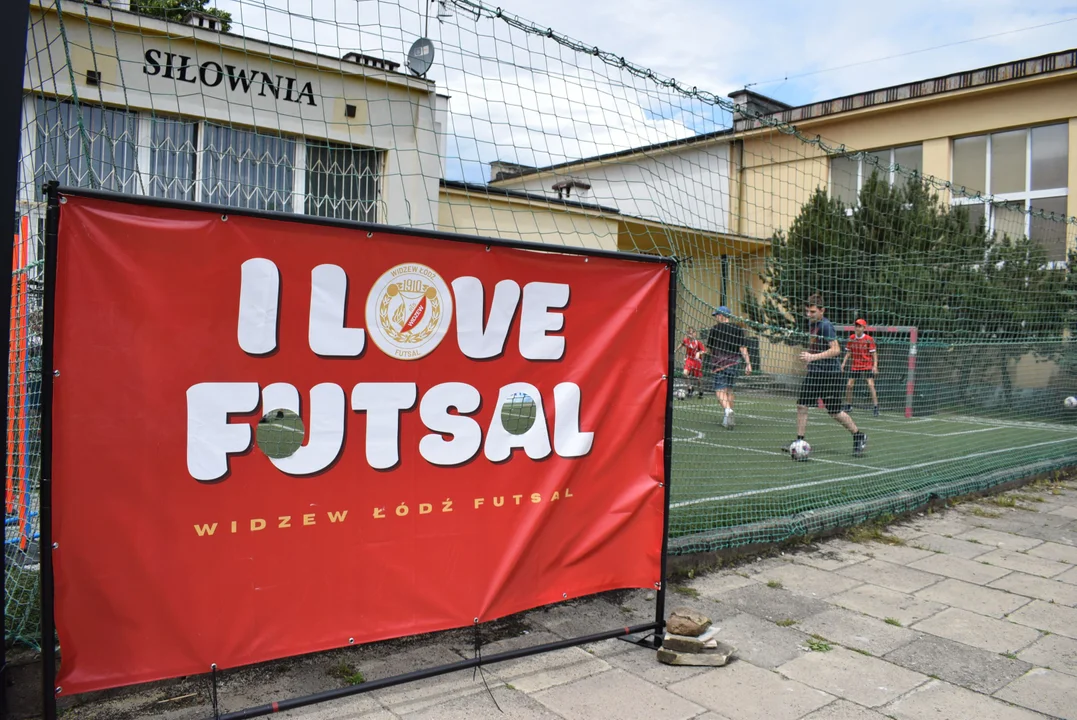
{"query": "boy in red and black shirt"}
(693, 363)
(860, 348)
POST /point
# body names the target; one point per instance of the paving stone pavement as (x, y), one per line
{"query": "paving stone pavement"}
(968, 613)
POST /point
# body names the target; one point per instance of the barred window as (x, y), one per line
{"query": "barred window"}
(342, 181)
(173, 154)
(248, 169)
(86, 146)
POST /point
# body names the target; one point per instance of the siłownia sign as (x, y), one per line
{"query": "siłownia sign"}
(411, 500)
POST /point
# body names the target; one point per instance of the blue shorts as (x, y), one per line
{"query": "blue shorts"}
(725, 379)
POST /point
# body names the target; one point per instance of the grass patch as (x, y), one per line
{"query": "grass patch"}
(1002, 501)
(892, 621)
(786, 622)
(872, 532)
(347, 672)
(862, 652)
(1025, 497)
(686, 591)
(818, 643)
(981, 512)
(776, 584)
(1011, 656)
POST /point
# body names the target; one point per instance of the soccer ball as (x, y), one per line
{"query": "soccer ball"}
(1070, 402)
(800, 450)
(680, 394)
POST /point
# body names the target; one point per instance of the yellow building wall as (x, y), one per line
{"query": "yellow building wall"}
(489, 215)
(779, 172)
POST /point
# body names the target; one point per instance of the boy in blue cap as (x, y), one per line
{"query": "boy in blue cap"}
(724, 342)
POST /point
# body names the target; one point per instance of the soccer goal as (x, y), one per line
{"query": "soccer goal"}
(892, 336)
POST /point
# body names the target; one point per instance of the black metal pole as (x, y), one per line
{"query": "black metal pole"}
(667, 454)
(336, 694)
(48, 622)
(12, 65)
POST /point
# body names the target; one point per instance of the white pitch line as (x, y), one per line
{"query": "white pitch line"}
(699, 440)
(816, 483)
(941, 435)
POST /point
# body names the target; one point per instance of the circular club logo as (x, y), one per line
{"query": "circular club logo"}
(408, 311)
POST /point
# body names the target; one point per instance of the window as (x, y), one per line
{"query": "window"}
(1027, 170)
(248, 169)
(85, 146)
(342, 182)
(173, 148)
(195, 160)
(849, 173)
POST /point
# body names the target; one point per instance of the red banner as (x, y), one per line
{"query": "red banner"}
(481, 433)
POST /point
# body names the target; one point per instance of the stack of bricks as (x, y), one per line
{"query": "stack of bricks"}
(691, 640)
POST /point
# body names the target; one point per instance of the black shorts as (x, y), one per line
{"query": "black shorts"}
(861, 374)
(825, 386)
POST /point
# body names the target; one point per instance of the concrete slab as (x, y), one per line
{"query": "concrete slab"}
(1045, 691)
(643, 664)
(1070, 576)
(773, 604)
(538, 672)
(1024, 563)
(742, 691)
(809, 581)
(857, 631)
(1056, 551)
(998, 636)
(1069, 511)
(971, 667)
(883, 603)
(431, 692)
(950, 546)
(715, 584)
(616, 695)
(844, 710)
(942, 700)
(761, 642)
(960, 568)
(1057, 619)
(1001, 540)
(333, 710)
(1056, 652)
(897, 554)
(978, 599)
(942, 523)
(905, 531)
(865, 680)
(1040, 588)
(500, 702)
(888, 575)
(1065, 535)
(823, 558)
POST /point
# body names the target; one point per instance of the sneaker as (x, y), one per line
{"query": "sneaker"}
(860, 443)
(875, 411)
(729, 421)
(847, 408)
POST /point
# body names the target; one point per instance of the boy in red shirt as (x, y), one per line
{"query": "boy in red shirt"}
(693, 364)
(861, 348)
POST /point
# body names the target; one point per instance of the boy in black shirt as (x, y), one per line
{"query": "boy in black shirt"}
(823, 379)
(724, 341)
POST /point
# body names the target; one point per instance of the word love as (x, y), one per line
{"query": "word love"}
(407, 313)
(454, 438)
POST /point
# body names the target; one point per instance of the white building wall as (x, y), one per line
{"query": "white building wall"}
(687, 187)
(172, 69)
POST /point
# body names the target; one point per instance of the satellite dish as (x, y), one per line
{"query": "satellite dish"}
(421, 56)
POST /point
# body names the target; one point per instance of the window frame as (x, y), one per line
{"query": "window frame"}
(861, 176)
(1026, 197)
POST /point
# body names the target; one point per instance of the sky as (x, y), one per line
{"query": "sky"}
(521, 97)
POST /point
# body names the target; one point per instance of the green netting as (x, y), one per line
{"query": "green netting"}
(955, 250)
